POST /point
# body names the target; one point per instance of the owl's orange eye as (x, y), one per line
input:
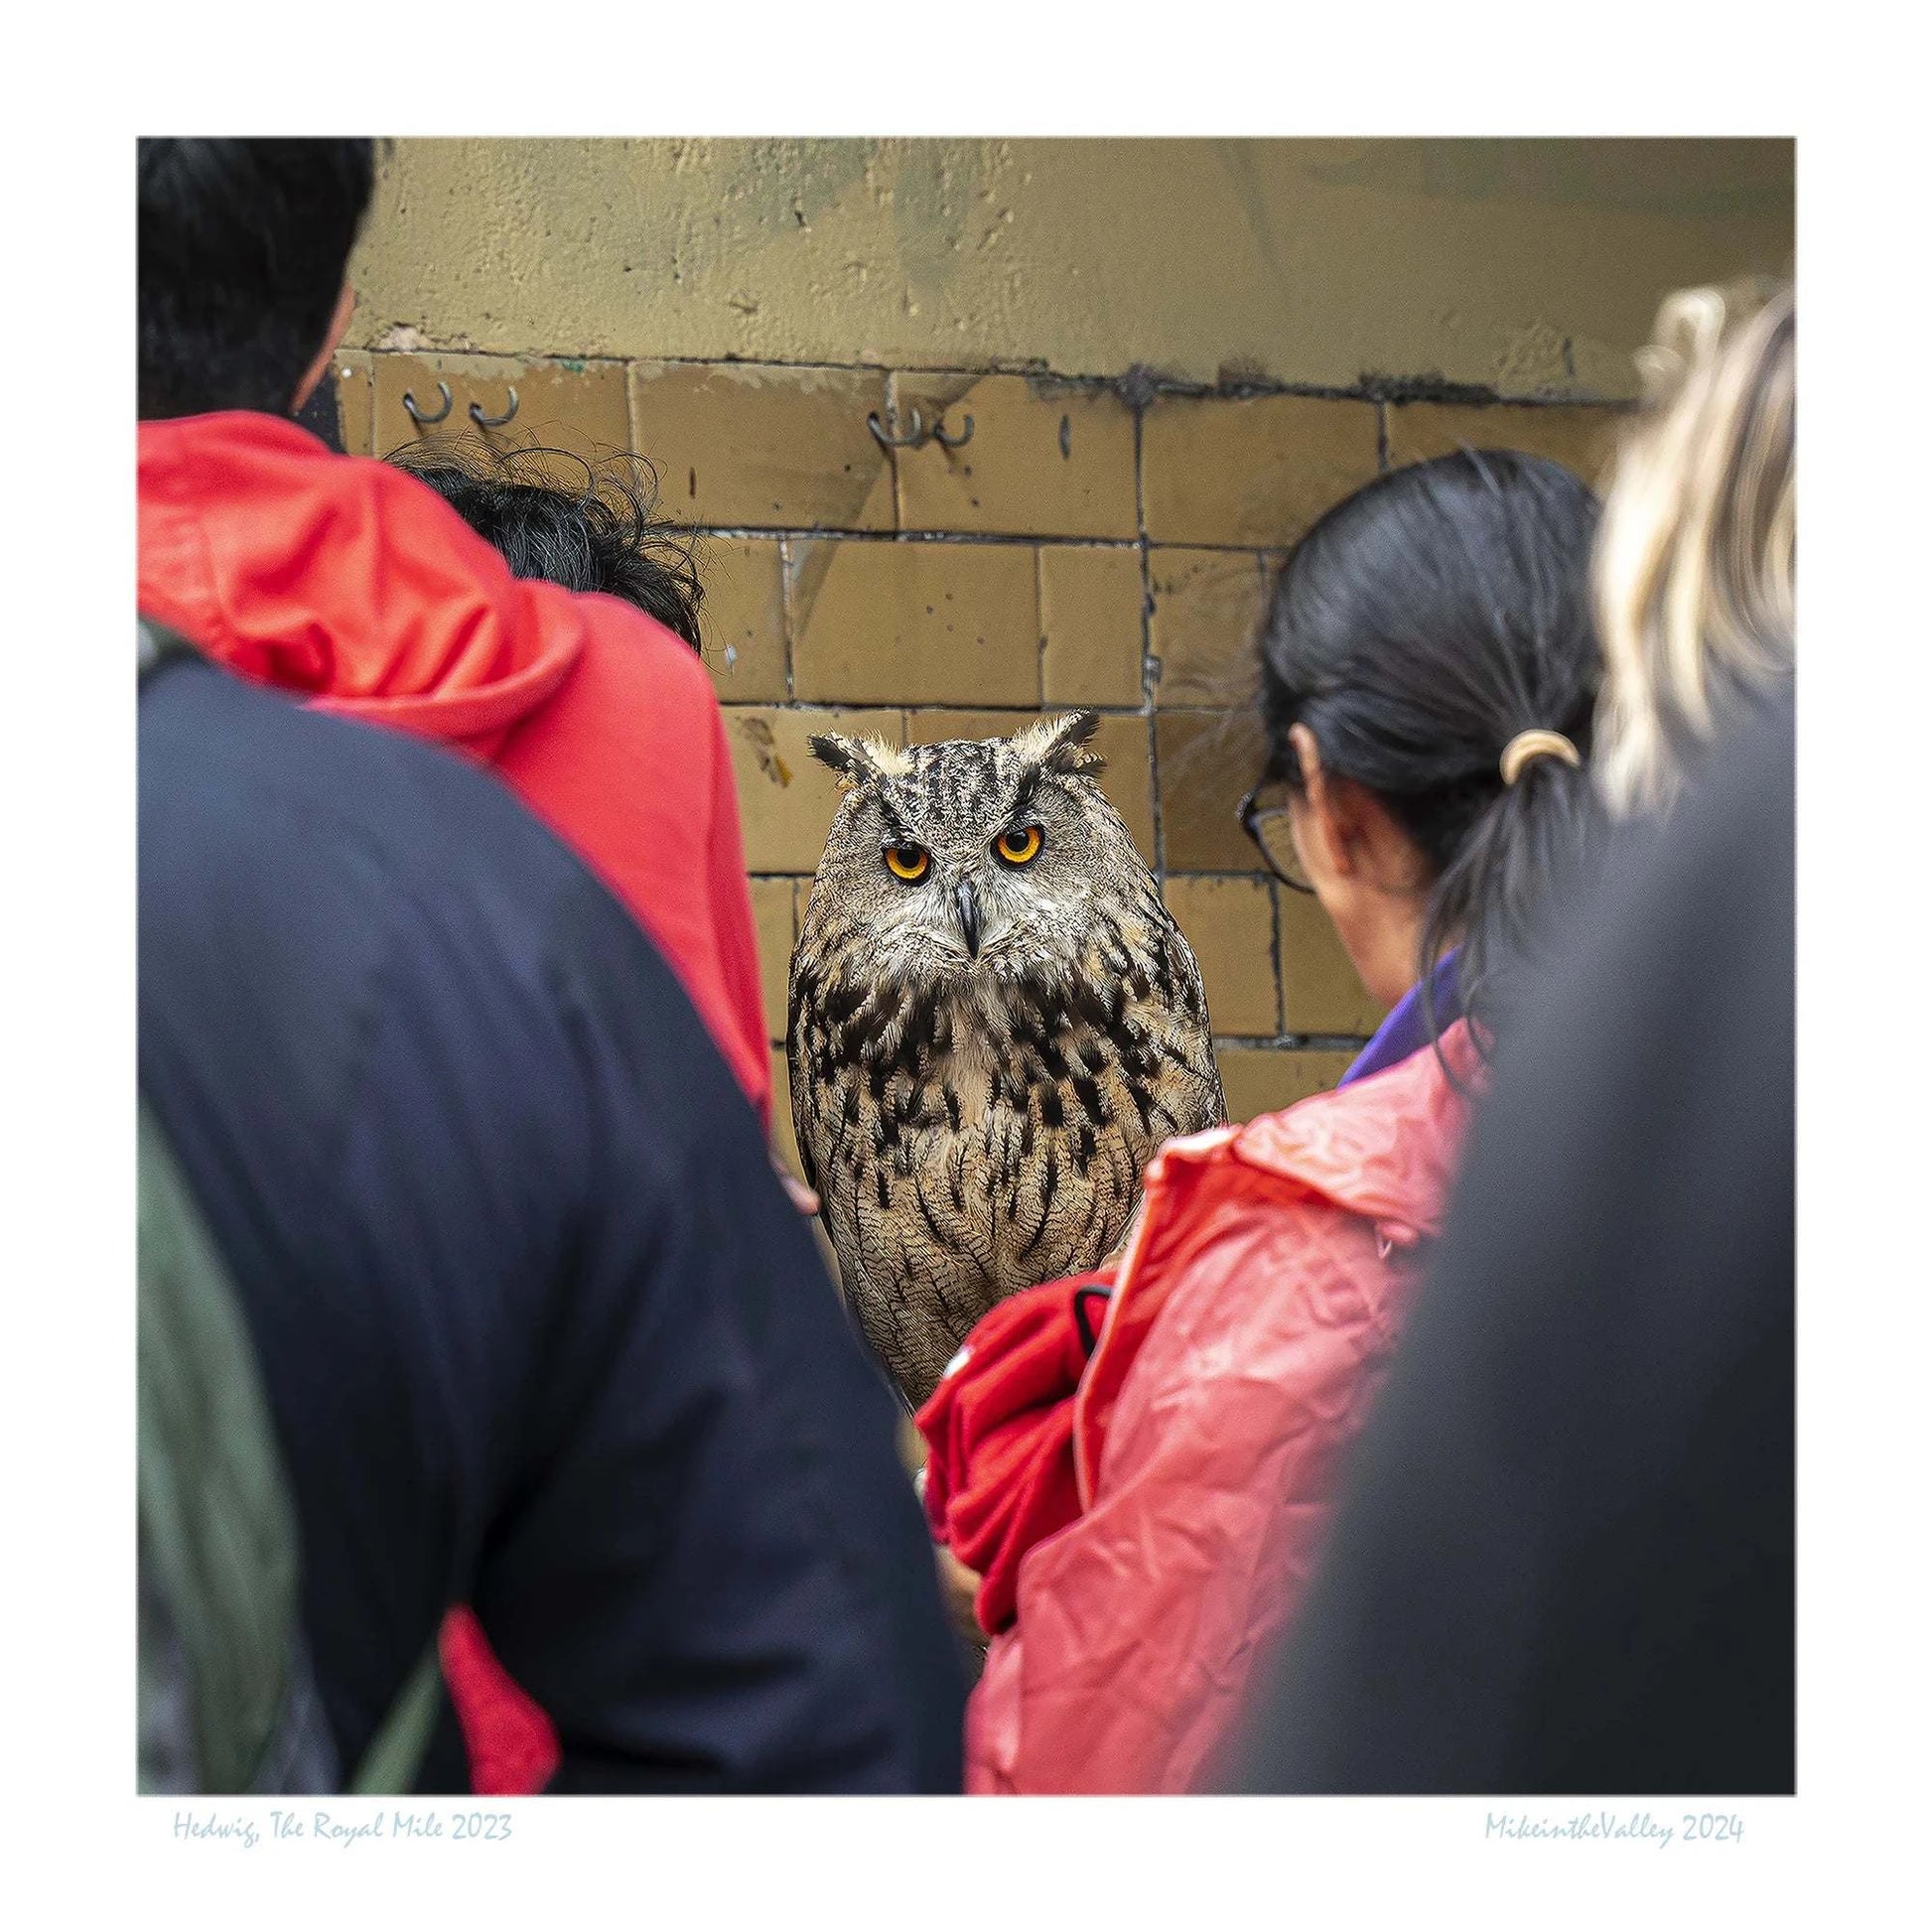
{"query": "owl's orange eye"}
(1020, 848)
(908, 862)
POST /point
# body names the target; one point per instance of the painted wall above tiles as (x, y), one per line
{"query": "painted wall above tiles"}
(1527, 266)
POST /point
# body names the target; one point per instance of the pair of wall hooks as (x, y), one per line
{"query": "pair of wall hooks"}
(921, 434)
(423, 419)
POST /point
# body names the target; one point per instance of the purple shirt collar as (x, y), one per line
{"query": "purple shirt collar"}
(1406, 1030)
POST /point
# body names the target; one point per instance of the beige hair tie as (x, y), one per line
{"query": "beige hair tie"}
(1525, 747)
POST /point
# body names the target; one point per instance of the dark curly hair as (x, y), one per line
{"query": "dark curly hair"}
(605, 536)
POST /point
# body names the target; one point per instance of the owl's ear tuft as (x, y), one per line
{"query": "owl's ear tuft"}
(1061, 744)
(857, 760)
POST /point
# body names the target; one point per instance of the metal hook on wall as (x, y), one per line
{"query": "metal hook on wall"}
(420, 417)
(481, 421)
(888, 441)
(946, 442)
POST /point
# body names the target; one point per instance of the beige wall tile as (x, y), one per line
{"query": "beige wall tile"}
(1230, 923)
(1582, 439)
(1265, 1079)
(1122, 741)
(1090, 603)
(354, 379)
(773, 916)
(743, 618)
(914, 622)
(1258, 472)
(1207, 608)
(751, 446)
(1321, 990)
(572, 406)
(1207, 759)
(935, 726)
(786, 797)
(1042, 460)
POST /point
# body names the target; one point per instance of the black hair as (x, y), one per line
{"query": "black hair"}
(1416, 629)
(243, 250)
(605, 536)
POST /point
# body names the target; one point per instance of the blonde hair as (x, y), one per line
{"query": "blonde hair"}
(1693, 565)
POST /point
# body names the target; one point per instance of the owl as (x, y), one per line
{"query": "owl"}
(993, 1022)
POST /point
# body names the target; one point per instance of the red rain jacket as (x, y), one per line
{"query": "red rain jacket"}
(358, 588)
(1253, 1314)
(352, 584)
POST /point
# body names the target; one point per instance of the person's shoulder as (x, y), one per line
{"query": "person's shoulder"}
(330, 857)
(1382, 1147)
(307, 879)
(634, 647)
(637, 704)
(1248, 1227)
(1694, 900)
(239, 771)
(1739, 804)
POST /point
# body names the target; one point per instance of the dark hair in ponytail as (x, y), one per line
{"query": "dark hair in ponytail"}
(1415, 630)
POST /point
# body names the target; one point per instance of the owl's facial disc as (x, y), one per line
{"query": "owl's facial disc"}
(948, 909)
(967, 862)
(986, 909)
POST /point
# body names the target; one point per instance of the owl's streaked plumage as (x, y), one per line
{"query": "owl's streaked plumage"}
(989, 1033)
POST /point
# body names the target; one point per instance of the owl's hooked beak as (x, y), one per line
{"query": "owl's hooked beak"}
(966, 902)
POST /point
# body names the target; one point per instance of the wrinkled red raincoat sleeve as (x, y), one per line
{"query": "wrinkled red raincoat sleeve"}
(1139, 1623)
(1000, 1475)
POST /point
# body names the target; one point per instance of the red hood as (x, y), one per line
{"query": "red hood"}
(1384, 1147)
(416, 622)
(1381, 1148)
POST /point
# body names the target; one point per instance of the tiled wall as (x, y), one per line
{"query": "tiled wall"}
(1079, 548)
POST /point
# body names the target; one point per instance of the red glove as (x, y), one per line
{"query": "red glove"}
(999, 1431)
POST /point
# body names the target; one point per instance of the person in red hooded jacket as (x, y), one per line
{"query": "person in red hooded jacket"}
(352, 584)
(354, 587)
(1132, 1470)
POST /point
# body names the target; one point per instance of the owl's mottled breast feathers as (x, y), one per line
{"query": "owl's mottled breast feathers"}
(984, 1055)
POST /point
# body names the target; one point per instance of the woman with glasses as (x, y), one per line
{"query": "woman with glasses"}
(1579, 1574)
(1429, 672)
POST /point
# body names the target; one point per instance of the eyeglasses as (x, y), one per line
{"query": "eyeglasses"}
(1268, 825)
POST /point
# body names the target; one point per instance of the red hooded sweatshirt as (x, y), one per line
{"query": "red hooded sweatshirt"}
(357, 586)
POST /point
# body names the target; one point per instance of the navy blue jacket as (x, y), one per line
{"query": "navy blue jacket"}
(539, 1329)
